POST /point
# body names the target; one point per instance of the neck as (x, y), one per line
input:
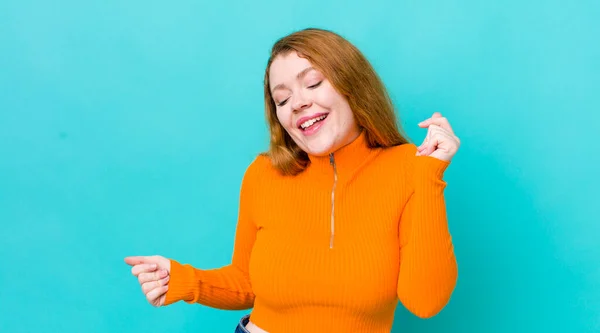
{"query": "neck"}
(347, 160)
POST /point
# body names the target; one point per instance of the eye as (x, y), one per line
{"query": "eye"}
(315, 85)
(282, 103)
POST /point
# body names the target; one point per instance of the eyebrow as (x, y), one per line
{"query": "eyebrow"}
(299, 77)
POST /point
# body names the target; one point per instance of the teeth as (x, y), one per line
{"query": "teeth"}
(309, 123)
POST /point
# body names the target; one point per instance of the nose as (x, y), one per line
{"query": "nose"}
(300, 103)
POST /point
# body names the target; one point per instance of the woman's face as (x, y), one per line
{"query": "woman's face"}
(312, 112)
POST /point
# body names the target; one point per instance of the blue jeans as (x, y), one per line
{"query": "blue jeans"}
(241, 327)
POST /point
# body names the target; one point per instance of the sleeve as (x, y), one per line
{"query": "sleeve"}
(227, 287)
(428, 268)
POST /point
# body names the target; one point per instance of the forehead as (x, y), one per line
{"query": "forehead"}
(285, 67)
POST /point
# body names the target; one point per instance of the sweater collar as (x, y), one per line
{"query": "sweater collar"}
(348, 160)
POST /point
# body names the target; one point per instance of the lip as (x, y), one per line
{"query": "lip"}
(303, 119)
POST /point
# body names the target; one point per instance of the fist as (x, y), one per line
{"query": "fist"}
(440, 141)
(152, 273)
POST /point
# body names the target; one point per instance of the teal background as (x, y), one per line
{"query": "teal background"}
(126, 126)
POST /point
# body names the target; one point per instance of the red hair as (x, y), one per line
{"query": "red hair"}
(351, 74)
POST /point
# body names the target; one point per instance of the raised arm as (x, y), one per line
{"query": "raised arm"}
(428, 269)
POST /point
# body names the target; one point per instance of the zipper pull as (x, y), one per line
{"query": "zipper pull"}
(332, 162)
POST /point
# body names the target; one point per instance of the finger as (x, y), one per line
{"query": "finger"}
(161, 300)
(148, 286)
(439, 137)
(142, 268)
(441, 122)
(422, 148)
(153, 276)
(447, 142)
(153, 295)
(432, 130)
(437, 119)
(432, 120)
(137, 260)
(437, 130)
(431, 147)
(424, 123)
(434, 115)
(426, 141)
(430, 143)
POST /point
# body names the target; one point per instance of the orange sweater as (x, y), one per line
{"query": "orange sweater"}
(334, 248)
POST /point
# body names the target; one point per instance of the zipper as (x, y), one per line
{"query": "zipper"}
(332, 162)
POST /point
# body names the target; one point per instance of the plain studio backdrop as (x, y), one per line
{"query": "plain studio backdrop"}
(126, 127)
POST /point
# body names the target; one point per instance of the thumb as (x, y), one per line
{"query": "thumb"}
(431, 146)
(137, 260)
(161, 262)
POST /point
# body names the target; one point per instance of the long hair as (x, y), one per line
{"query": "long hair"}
(351, 74)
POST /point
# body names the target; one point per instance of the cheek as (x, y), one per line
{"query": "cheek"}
(328, 97)
(345, 115)
(284, 117)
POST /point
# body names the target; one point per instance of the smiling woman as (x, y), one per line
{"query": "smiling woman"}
(307, 101)
(340, 218)
(310, 59)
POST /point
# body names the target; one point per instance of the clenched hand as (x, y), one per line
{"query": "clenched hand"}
(153, 275)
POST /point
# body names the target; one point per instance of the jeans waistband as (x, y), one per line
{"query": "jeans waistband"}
(241, 327)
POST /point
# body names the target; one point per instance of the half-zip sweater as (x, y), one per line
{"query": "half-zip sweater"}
(335, 247)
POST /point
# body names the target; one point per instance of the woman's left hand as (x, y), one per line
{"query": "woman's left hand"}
(440, 141)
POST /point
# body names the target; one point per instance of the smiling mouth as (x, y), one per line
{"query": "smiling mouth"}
(307, 124)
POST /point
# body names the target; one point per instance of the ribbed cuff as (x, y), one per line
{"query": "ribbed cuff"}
(429, 168)
(181, 283)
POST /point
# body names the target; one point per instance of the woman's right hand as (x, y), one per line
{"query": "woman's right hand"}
(153, 274)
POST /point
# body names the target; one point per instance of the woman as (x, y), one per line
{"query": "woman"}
(340, 219)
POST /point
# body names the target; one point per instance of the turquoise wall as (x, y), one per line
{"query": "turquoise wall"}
(126, 126)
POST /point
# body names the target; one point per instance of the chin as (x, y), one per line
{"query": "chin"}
(318, 149)
(322, 152)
